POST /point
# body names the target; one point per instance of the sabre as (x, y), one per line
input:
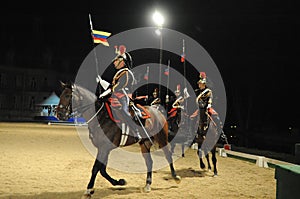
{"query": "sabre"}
(222, 132)
(137, 117)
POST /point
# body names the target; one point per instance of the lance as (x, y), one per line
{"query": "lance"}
(184, 73)
(95, 54)
(168, 82)
(148, 80)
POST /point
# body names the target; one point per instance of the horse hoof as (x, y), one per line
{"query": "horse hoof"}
(147, 188)
(177, 179)
(86, 196)
(122, 182)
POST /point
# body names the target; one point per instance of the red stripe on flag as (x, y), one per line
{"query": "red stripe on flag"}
(99, 39)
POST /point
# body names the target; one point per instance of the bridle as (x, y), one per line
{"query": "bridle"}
(83, 108)
(65, 109)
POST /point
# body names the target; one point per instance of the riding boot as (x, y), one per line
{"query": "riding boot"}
(128, 118)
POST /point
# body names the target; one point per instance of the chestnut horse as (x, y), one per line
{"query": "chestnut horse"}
(110, 137)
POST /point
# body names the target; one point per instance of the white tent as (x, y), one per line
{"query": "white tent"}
(49, 105)
(53, 99)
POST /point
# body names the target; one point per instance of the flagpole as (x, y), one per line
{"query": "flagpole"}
(148, 81)
(160, 62)
(184, 71)
(168, 82)
(95, 54)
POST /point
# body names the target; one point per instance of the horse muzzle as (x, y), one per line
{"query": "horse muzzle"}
(62, 115)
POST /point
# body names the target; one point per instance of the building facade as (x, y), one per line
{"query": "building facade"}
(22, 88)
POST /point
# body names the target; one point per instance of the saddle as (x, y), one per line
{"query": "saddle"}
(172, 112)
(114, 103)
(144, 113)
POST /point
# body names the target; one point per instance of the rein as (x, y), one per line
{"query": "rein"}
(95, 114)
(86, 107)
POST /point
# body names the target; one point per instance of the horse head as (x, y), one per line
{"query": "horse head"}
(76, 98)
(64, 107)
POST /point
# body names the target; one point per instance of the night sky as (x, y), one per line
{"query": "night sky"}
(254, 44)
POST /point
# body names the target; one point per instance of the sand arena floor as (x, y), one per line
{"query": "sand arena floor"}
(50, 161)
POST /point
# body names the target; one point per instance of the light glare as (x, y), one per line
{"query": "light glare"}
(158, 18)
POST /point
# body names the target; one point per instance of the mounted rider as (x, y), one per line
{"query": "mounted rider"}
(204, 101)
(120, 87)
(174, 112)
(154, 100)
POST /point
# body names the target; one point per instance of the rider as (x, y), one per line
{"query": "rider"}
(204, 101)
(154, 100)
(178, 103)
(174, 114)
(122, 80)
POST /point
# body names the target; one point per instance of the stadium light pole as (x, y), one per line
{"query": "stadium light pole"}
(159, 20)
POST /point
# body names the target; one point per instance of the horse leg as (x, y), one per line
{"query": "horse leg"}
(172, 146)
(100, 166)
(169, 158)
(90, 188)
(214, 160)
(104, 157)
(208, 162)
(145, 149)
(202, 165)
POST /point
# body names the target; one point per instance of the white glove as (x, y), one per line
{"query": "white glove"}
(102, 82)
(185, 93)
(167, 98)
(108, 91)
(98, 78)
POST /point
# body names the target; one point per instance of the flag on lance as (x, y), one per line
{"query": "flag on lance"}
(100, 37)
(167, 72)
(146, 76)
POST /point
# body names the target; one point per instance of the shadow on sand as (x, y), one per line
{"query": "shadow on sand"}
(125, 191)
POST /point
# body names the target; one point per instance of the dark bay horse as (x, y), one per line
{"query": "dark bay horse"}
(109, 136)
(180, 131)
(207, 140)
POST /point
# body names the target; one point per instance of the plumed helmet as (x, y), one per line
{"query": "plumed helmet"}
(202, 77)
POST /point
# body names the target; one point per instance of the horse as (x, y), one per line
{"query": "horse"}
(156, 125)
(208, 138)
(179, 130)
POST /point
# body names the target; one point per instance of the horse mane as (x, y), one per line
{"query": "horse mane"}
(89, 97)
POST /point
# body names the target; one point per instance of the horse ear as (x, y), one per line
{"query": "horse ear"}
(62, 84)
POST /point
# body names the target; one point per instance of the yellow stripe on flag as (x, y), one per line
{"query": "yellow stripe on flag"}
(101, 33)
